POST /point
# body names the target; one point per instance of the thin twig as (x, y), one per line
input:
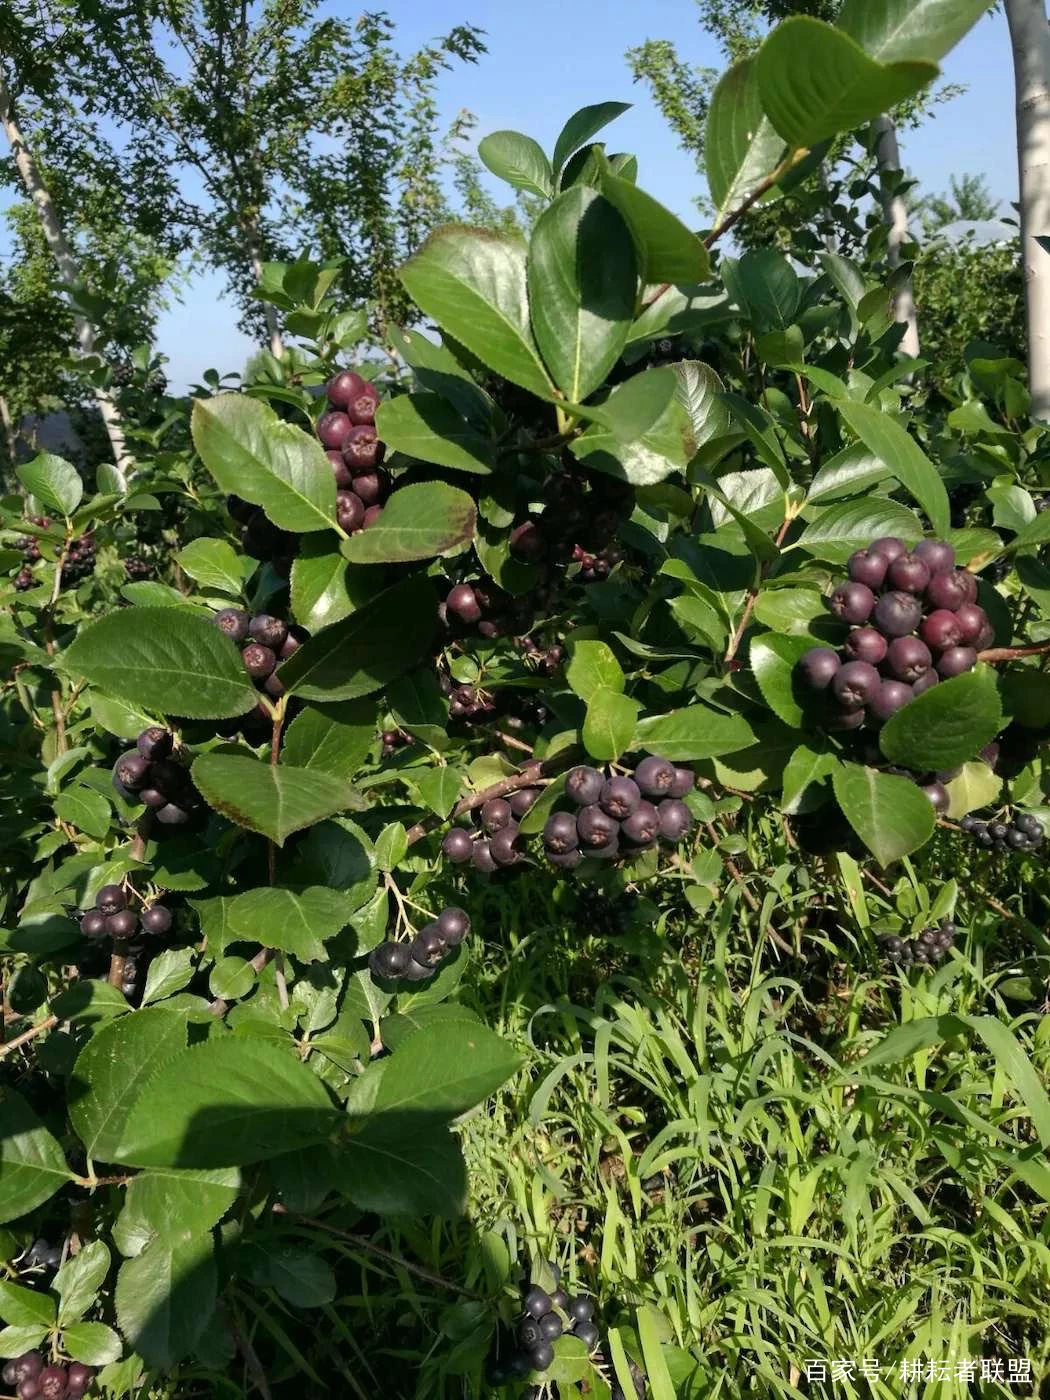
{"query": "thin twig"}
(1012, 653)
(752, 597)
(28, 1035)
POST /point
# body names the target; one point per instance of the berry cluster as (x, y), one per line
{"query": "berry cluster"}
(80, 559)
(419, 960)
(137, 568)
(148, 773)
(497, 845)
(619, 815)
(1023, 833)
(915, 622)
(545, 1317)
(35, 1381)
(488, 611)
(123, 375)
(394, 739)
(112, 918)
(348, 435)
(264, 641)
(929, 946)
(261, 539)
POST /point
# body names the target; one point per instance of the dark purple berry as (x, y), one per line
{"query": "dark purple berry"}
(926, 682)
(462, 603)
(948, 591)
(560, 834)
(457, 845)
(349, 511)
(111, 899)
(93, 924)
(268, 631)
(972, 622)
(866, 644)
(343, 478)
(937, 555)
(131, 770)
(370, 486)
(389, 960)
(908, 574)
(819, 667)
(564, 860)
(152, 797)
(619, 797)
(122, 924)
(171, 814)
(938, 795)
(155, 742)
(541, 1356)
(890, 697)
(332, 429)
(955, 661)
(855, 684)
(259, 661)
(897, 614)
(429, 946)
(496, 814)
(362, 449)
(343, 388)
(655, 776)
(581, 1309)
(907, 658)
(675, 819)
(869, 569)
(684, 781)
(551, 1326)
(587, 1333)
(481, 856)
(527, 542)
(233, 623)
(941, 629)
(852, 602)
(80, 1378)
(156, 919)
(523, 801)
(454, 924)
(596, 828)
(584, 786)
(363, 404)
(889, 547)
(537, 1303)
(503, 845)
(52, 1382)
(529, 1333)
(846, 719)
(643, 825)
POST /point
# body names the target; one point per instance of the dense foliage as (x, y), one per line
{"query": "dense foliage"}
(452, 942)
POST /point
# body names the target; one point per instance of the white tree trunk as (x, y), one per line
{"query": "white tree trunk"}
(273, 324)
(10, 433)
(888, 155)
(66, 260)
(1030, 40)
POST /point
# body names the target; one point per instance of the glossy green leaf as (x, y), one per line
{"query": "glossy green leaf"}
(404, 1164)
(272, 799)
(169, 972)
(367, 649)
(324, 587)
(32, 1165)
(591, 666)
(699, 731)
(93, 1343)
(891, 815)
(78, 1281)
(609, 724)
(259, 457)
(16, 1341)
(805, 767)
(437, 371)
(645, 433)
(301, 1276)
(896, 30)
(773, 660)
(429, 428)
(582, 125)
(741, 146)
(335, 739)
(164, 659)
(111, 1070)
(85, 810)
(519, 160)
(165, 1298)
(816, 82)
(582, 282)
(295, 921)
(422, 521)
(885, 437)
(667, 250)
(224, 1103)
(836, 532)
(699, 391)
(766, 286)
(472, 282)
(977, 786)
(172, 1204)
(54, 482)
(948, 724)
(25, 1307)
(213, 564)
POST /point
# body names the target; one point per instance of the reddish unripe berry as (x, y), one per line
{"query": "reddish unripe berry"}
(956, 660)
(925, 682)
(907, 658)
(362, 406)
(855, 684)
(889, 697)
(819, 667)
(897, 614)
(370, 486)
(985, 637)
(941, 629)
(343, 476)
(937, 555)
(259, 661)
(852, 602)
(972, 621)
(372, 514)
(349, 510)
(909, 574)
(362, 449)
(865, 644)
(867, 568)
(655, 776)
(52, 1382)
(889, 547)
(332, 428)
(343, 388)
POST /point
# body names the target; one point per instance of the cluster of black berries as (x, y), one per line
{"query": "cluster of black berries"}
(487, 610)
(112, 918)
(498, 844)
(890, 597)
(148, 773)
(545, 1317)
(137, 568)
(264, 641)
(1023, 832)
(41, 1255)
(348, 435)
(394, 739)
(123, 374)
(35, 1381)
(579, 524)
(929, 946)
(80, 559)
(419, 960)
(619, 815)
(261, 539)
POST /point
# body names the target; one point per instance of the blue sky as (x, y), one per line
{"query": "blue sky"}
(548, 57)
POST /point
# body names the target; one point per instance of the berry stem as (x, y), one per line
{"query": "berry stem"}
(997, 654)
(752, 597)
(27, 1036)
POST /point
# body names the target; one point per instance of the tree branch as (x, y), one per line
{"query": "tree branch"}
(996, 654)
(28, 1035)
